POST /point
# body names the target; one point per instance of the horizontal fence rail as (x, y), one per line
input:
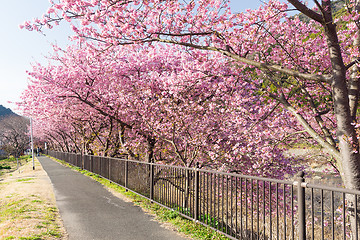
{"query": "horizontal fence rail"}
(238, 206)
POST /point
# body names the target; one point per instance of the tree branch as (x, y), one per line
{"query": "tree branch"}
(260, 65)
(330, 148)
(307, 11)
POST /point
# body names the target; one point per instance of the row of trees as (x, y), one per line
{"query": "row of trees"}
(163, 104)
(308, 69)
(281, 61)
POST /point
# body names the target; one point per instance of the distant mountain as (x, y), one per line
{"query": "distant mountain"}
(5, 111)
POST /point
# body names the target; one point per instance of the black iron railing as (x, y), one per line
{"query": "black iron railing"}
(241, 207)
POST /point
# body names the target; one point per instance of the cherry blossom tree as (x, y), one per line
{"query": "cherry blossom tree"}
(184, 107)
(309, 68)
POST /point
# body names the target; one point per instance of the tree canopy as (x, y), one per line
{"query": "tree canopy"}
(308, 68)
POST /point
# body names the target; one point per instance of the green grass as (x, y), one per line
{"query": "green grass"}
(31, 207)
(182, 224)
(30, 238)
(24, 180)
(15, 209)
(10, 164)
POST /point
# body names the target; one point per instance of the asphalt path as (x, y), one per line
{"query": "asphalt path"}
(89, 211)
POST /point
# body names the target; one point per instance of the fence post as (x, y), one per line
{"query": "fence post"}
(109, 173)
(151, 181)
(82, 161)
(197, 192)
(91, 163)
(126, 175)
(301, 205)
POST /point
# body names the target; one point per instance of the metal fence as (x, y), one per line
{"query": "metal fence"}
(240, 207)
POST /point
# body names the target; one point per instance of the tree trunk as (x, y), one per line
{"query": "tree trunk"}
(346, 134)
(150, 145)
(354, 81)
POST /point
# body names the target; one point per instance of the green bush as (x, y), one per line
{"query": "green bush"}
(4, 167)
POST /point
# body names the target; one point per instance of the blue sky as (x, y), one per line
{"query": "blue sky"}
(19, 48)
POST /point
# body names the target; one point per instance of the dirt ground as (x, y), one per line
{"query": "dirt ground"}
(27, 205)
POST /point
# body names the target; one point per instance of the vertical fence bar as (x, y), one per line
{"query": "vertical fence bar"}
(82, 161)
(192, 193)
(174, 192)
(343, 214)
(212, 200)
(270, 213)
(277, 210)
(301, 206)
(284, 201)
(91, 167)
(109, 166)
(222, 201)
(312, 215)
(126, 174)
(166, 188)
(332, 216)
(356, 219)
(176, 200)
(236, 207)
(258, 208)
(151, 181)
(252, 208)
(231, 204)
(241, 208)
(218, 201)
(182, 195)
(264, 209)
(292, 214)
(161, 188)
(322, 213)
(227, 205)
(246, 209)
(208, 198)
(99, 159)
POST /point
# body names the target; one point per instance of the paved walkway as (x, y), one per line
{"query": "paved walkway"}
(89, 211)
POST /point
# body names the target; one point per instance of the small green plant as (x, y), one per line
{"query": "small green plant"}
(183, 210)
(170, 215)
(5, 167)
(53, 233)
(31, 238)
(209, 220)
(40, 226)
(24, 179)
